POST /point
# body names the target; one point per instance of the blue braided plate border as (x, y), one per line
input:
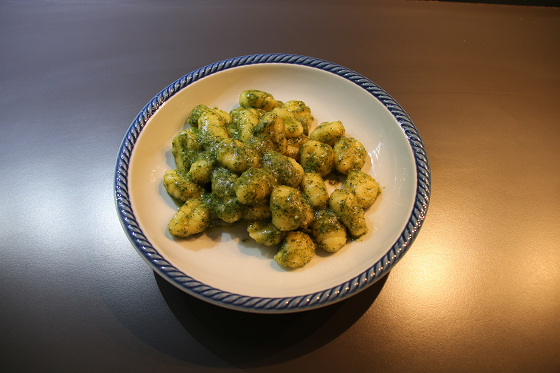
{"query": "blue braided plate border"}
(272, 305)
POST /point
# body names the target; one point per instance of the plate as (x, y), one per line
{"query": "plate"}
(223, 266)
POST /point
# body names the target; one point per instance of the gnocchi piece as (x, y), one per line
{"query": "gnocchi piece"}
(316, 157)
(297, 250)
(180, 187)
(202, 168)
(349, 155)
(235, 155)
(185, 148)
(227, 209)
(270, 123)
(328, 132)
(287, 210)
(244, 121)
(301, 112)
(347, 208)
(254, 186)
(315, 190)
(224, 115)
(328, 231)
(188, 139)
(195, 114)
(256, 212)
(286, 169)
(292, 127)
(253, 98)
(363, 186)
(222, 182)
(191, 218)
(265, 233)
(212, 128)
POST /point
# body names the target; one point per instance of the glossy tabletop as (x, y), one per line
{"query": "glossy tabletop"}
(478, 291)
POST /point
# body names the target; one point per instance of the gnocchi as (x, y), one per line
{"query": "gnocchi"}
(260, 163)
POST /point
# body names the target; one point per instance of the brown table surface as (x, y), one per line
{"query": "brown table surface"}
(479, 290)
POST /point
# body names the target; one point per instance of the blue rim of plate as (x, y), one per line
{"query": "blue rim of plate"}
(283, 304)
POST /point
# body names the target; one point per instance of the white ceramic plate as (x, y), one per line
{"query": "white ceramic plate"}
(222, 265)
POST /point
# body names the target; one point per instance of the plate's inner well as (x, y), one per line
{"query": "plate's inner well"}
(225, 258)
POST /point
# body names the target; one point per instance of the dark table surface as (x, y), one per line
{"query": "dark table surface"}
(479, 290)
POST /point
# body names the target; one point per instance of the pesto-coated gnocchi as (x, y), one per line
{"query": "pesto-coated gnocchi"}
(212, 125)
(223, 181)
(301, 112)
(347, 208)
(254, 186)
(195, 114)
(349, 155)
(191, 218)
(315, 190)
(316, 157)
(186, 146)
(253, 98)
(286, 169)
(201, 169)
(297, 250)
(179, 187)
(227, 209)
(243, 122)
(266, 233)
(261, 163)
(328, 132)
(329, 232)
(287, 209)
(363, 186)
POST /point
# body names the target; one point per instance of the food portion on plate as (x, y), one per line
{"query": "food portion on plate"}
(262, 164)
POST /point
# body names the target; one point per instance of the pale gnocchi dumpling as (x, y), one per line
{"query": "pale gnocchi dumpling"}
(192, 217)
(286, 169)
(287, 209)
(254, 186)
(179, 187)
(301, 112)
(328, 132)
(266, 233)
(316, 157)
(347, 208)
(293, 146)
(253, 98)
(363, 186)
(329, 232)
(292, 127)
(212, 125)
(315, 190)
(224, 201)
(297, 250)
(202, 167)
(262, 143)
(244, 121)
(227, 209)
(349, 155)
